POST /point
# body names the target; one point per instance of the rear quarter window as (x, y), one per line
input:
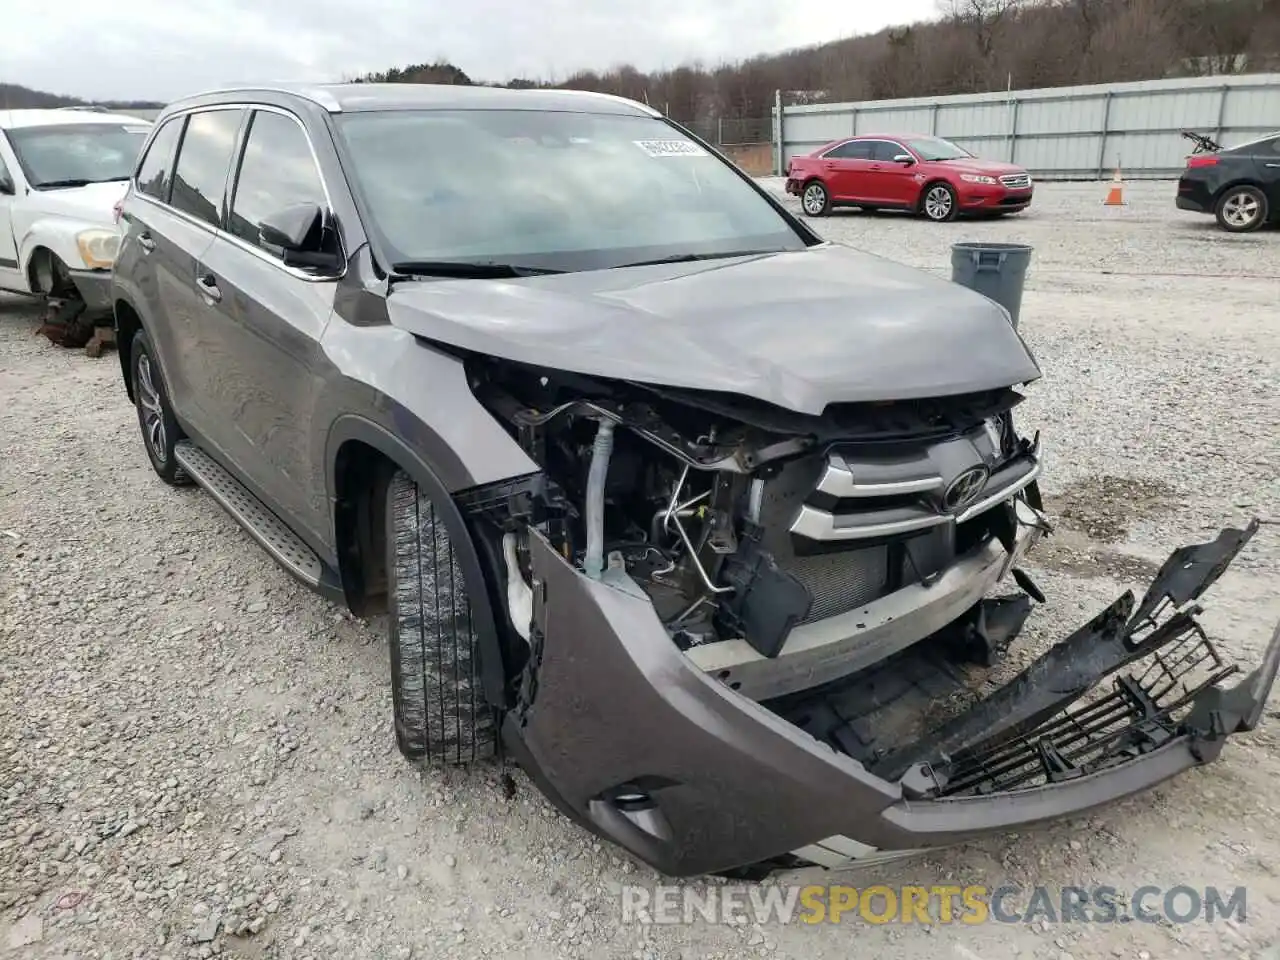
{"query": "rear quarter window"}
(155, 173)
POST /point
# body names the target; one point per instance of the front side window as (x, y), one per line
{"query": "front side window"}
(276, 172)
(58, 156)
(155, 173)
(204, 158)
(554, 190)
(935, 148)
(885, 151)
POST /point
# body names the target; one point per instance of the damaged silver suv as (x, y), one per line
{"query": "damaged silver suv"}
(694, 515)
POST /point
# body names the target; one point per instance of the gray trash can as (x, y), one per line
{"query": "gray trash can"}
(995, 270)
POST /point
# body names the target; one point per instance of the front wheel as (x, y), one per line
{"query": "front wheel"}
(939, 203)
(1241, 209)
(815, 201)
(441, 716)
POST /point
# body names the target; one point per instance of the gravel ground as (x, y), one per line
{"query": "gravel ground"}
(196, 756)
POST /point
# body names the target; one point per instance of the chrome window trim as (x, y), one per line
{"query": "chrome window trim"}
(234, 182)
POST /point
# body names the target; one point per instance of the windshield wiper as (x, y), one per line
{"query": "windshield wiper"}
(485, 270)
(695, 257)
(80, 182)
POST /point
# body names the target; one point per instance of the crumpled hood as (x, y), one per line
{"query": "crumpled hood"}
(93, 203)
(800, 330)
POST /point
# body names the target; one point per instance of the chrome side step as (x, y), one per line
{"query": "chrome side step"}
(247, 510)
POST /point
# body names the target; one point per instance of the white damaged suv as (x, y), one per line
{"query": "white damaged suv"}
(62, 173)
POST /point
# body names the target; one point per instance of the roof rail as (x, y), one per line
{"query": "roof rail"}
(317, 95)
(610, 96)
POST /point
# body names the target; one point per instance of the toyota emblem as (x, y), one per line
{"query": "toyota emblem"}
(965, 487)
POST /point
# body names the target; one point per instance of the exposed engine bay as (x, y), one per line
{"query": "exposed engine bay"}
(743, 520)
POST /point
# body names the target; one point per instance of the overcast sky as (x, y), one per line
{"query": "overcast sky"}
(163, 49)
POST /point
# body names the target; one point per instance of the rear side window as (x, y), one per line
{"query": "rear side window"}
(156, 171)
(854, 150)
(276, 172)
(203, 161)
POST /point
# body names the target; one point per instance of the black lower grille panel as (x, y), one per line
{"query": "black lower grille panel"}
(1138, 714)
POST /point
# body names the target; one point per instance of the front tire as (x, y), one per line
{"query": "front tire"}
(939, 203)
(160, 430)
(815, 201)
(441, 716)
(1241, 209)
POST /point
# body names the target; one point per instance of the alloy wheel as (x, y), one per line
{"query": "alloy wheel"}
(1241, 209)
(152, 413)
(815, 199)
(937, 203)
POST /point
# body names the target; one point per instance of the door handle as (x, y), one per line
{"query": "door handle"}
(146, 243)
(209, 287)
(1275, 166)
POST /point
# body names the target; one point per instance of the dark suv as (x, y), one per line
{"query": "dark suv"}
(691, 513)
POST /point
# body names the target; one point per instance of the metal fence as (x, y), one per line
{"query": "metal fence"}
(1067, 133)
(733, 131)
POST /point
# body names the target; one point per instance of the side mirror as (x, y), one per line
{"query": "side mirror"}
(297, 228)
(906, 159)
(299, 232)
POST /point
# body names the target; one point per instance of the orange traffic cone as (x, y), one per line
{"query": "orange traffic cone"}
(1115, 196)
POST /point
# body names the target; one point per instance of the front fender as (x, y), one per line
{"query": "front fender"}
(56, 234)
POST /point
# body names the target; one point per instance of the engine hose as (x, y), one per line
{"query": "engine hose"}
(602, 449)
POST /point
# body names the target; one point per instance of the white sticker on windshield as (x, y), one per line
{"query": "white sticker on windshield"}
(671, 148)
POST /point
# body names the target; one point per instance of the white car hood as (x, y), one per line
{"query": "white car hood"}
(92, 204)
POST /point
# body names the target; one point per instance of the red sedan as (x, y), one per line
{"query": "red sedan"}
(926, 175)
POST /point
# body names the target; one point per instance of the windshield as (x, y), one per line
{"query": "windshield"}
(935, 148)
(75, 153)
(550, 190)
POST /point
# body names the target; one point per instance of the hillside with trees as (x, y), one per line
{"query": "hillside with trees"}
(972, 46)
(14, 96)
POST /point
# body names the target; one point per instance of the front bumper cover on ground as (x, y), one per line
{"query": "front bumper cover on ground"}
(642, 747)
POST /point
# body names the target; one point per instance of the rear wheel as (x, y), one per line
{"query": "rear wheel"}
(1241, 209)
(441, 716)
(939, 203)
(815, 201)
(160, 430)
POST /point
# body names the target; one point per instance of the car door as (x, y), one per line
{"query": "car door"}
(272, 319)
(179, 191)
(843, 168)
(894, 181)
(10, 276)
(1267, 158)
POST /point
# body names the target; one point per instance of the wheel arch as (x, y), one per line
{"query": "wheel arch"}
(929, 184)
(1242, 181)
(361, 456)
(128, 323)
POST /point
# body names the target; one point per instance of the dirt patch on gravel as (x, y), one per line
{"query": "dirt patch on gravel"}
(1104, 507)
(1084, 560)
